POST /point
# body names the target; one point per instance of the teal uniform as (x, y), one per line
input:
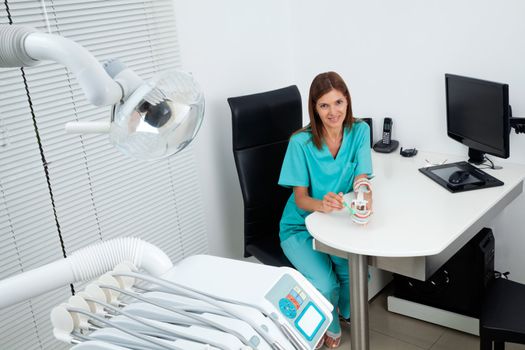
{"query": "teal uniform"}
(306, 166)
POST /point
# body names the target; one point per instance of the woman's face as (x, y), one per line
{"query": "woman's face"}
(331, 108)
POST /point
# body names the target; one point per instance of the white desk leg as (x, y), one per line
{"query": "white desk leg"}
(359, 338)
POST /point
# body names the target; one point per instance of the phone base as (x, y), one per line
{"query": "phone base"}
(386, 147)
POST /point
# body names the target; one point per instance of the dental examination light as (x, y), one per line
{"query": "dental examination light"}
(150, 119)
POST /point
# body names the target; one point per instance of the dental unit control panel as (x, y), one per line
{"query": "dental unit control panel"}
(298, 308)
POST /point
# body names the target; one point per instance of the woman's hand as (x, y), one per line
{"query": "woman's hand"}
(331, 202)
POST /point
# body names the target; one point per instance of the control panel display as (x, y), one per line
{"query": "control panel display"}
(310, 321)
(298, 309)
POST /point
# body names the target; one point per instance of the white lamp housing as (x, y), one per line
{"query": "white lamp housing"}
(150, 120)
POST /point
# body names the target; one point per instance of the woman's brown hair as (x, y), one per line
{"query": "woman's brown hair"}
(322, 84)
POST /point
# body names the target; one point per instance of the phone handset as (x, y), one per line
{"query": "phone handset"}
(386, 144)
(387, 131)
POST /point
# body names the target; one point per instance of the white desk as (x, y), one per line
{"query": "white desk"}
(416, 227)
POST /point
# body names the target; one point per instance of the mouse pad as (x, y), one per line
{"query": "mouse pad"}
(477, 178)
(444, 173)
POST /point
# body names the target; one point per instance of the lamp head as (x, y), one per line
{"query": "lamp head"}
(159, 118)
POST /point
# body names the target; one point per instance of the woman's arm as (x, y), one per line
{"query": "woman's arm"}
(330, 202)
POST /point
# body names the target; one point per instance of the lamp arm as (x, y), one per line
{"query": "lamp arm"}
(24, 46)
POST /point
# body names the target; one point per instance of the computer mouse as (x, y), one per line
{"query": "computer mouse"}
(458, 177)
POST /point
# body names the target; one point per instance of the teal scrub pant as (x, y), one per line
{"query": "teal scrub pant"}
(328, 273)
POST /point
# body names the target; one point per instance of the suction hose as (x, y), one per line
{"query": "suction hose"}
(84, 264)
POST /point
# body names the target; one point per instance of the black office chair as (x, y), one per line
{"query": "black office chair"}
(502, 315)
(262, 125)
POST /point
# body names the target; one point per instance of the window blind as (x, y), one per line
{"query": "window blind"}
(28, 235)
(87, 191)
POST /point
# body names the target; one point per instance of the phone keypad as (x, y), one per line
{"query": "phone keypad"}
(386, 137)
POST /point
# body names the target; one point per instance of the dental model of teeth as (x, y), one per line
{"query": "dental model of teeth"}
(358, 209)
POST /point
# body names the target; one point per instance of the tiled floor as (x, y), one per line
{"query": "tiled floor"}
(390, 331)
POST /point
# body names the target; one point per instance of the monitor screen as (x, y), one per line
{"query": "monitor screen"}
(478, 115)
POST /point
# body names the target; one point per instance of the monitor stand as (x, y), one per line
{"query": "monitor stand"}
(475, 156)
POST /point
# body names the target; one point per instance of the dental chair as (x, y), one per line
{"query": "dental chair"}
(261, 127)
(140, 300)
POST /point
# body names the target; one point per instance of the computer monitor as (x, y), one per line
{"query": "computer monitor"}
(478, 116)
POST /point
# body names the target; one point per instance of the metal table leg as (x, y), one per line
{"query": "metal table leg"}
(358, 266)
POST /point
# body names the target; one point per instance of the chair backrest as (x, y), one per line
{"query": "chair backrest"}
(261, 127)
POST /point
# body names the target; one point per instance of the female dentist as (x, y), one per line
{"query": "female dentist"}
(324, 160)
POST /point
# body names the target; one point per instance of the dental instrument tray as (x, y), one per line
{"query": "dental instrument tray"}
(474, 178)
(203, 302)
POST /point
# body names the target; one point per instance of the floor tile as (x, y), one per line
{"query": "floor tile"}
(407, 329)
(453, 340)
(390, 331)
(378, 341)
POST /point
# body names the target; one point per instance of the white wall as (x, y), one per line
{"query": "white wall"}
(233, 48)
(393, 55)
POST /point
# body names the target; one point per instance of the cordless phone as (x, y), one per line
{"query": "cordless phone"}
(386, 144)
(387, 131)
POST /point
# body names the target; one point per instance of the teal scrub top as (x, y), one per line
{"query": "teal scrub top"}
(305, 165)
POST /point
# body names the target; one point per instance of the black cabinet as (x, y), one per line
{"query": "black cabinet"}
(460, 284)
